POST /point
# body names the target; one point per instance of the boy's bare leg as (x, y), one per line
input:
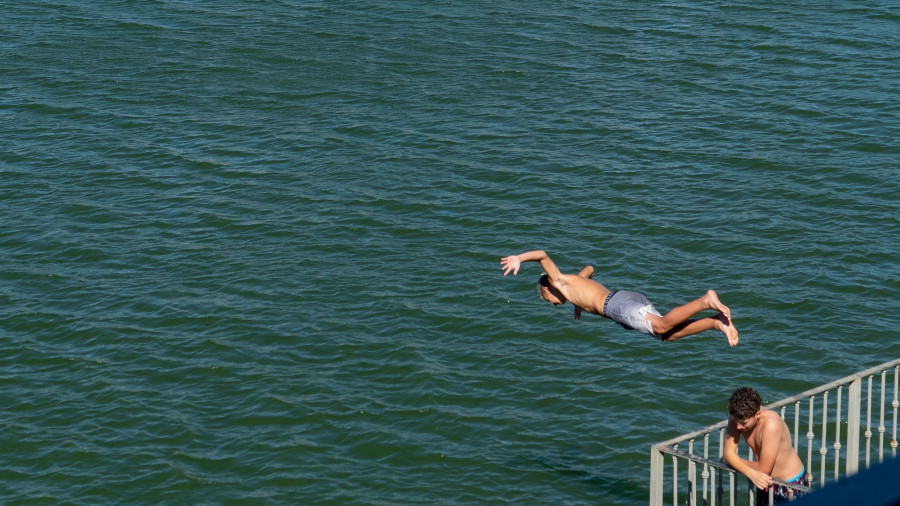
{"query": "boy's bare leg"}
(691, 327)
(681, 313)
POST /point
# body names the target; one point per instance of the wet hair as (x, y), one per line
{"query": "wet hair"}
(544, 280)
(744, 403)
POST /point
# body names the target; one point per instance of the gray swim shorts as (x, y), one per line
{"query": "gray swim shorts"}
(629, 309)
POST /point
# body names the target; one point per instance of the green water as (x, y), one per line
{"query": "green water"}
(251, 249)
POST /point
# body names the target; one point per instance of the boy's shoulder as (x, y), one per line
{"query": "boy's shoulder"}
(772, 424)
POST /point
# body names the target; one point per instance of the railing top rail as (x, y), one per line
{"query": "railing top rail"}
(783, 402)
(725, 467)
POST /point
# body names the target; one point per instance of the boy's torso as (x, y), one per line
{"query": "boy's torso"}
(787, 463)
(585, 293)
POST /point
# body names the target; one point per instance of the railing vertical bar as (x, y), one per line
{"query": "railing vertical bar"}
(732, 490)
(705, 468)
(869, 423)
(674, 478)
(722, 443)
(853, 404)
(692, 476)
(810, 435)
(751, 495)
(823, 451)
(797, 426)
(656, 477)
(721, 455)
(837, 435)
(896, 404)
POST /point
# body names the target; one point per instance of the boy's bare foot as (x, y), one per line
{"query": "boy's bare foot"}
(727, 328)
(713, 300)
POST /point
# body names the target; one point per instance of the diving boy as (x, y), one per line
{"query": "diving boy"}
(629, 309)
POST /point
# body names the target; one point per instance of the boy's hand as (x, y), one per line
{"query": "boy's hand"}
(760, 479)
(510, 263)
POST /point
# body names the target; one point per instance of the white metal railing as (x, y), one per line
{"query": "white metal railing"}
(846, 438)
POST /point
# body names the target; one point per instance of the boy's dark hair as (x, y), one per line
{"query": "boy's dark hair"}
(544, 280)
(744, 403)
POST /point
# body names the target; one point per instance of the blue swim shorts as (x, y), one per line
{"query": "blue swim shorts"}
(629, 309)
(783, 494)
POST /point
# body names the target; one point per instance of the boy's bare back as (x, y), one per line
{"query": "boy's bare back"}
(586, 294)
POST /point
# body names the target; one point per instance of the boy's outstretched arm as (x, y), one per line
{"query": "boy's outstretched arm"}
(513, 262)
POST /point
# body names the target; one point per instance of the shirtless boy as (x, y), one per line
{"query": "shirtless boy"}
(770, 439)
(629, 309)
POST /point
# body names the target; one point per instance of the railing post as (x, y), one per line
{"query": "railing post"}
(810, 436)
(732, 489)
(751, 488)
(705, 474)
(869, 423)
(722, 474)
(837, 436)
(895, 404)
(674, 478)
(692, 476)
(656, 477)
(854, 399)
